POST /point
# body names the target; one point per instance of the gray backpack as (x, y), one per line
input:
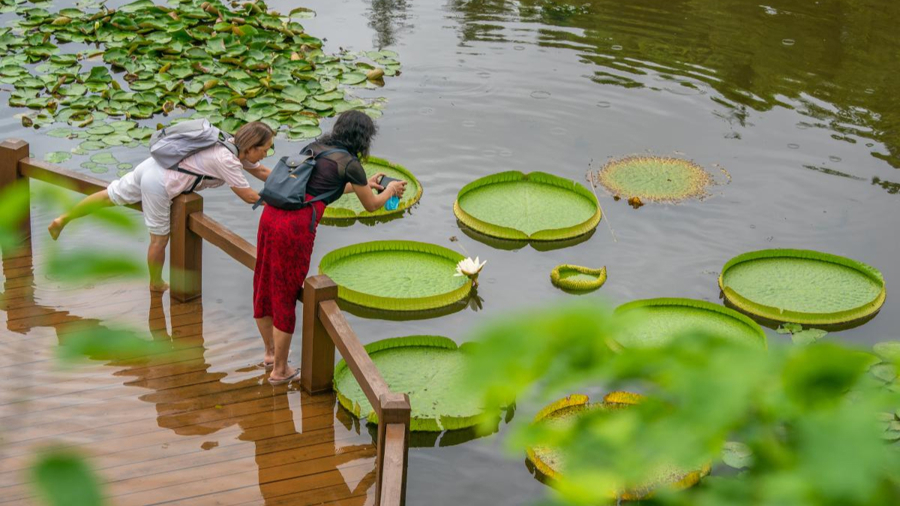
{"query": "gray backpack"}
(285, 188)
(172, 144)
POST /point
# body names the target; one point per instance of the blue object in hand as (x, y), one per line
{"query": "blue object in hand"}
(392, 203)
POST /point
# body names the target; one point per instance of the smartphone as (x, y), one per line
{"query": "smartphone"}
(384, 181)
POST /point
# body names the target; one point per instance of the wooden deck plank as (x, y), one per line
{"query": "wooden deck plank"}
(194, 422)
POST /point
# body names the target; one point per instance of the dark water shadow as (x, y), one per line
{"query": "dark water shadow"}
(513, 245)
(473, 301)
(425, 439)
(369, 221)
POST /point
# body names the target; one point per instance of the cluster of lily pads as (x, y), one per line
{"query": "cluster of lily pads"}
(231, 64)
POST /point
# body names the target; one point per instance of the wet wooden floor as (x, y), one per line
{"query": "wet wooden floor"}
(192, 422)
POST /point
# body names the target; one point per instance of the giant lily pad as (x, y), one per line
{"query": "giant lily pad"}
(651, 178)
(657, 321)
(535, 206)
(549, 464)
(430, 369)
(802, 286)
(577, 278)
(396, 275)
(348, 207)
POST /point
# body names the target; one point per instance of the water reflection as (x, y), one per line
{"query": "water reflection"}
(295, 464)
(388, 18)
(832, 60)
(298, 458)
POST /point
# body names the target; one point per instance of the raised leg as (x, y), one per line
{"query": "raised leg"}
(87, 205)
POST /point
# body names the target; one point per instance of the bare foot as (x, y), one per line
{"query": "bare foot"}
(56, 227)
(159, 287)
(282, 376)
(269, 360)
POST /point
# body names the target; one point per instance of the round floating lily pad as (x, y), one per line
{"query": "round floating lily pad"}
(550, 463)
(802, 286)
(660, 320)
(104, 158)
(651, 178)
(578, 278)
(535, 206)
(348, 207)
(57, 156)
(430, 369)
(396, 275)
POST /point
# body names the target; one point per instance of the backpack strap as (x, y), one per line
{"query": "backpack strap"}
(223, 141)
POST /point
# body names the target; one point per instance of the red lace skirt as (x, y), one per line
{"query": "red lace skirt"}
(284, 244)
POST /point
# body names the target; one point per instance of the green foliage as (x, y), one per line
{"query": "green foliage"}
(802, 286)
(808, 415)
(230, 64)
(63, 478)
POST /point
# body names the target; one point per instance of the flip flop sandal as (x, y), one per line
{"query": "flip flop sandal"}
(290, 378)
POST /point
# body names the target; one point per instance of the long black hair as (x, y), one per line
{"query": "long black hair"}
(353, 130)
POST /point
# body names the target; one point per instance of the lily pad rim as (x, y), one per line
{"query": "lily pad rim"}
(413, 341)
(574, 400)
(343, 214)
(787, 316)
(696, 304)
(579, 285)
(501, 232)
(391, 304)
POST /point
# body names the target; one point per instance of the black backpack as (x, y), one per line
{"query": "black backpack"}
(285, 188)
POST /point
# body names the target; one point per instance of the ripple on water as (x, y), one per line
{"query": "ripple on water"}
(426, 111)
(835, 159)
(788, 42)
(469, 123)
(794, 146)
(603, 104)
(540, 95)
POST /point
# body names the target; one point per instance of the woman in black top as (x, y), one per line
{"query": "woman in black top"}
(285, 239)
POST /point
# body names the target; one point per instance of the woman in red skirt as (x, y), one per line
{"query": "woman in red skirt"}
(285, 239)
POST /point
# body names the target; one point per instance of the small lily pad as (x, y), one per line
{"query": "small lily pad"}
(105, 158)
(578, 278)
(737, 455)
(92, 146)
(62, 133)
(808, 336)
(58, 156)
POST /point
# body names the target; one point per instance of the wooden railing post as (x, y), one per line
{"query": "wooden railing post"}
(185, 249)
(317, 353)
(11, 151)
(394, 412)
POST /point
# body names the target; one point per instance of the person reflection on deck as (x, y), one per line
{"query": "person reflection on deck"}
(291, 466)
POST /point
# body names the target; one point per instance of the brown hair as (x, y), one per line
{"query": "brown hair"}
(252, 135)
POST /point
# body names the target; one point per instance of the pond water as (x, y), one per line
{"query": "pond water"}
(793, 106)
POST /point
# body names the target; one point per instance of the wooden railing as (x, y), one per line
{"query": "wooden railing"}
(324, 326)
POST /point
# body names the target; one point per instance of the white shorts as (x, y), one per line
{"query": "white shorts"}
(145, 184)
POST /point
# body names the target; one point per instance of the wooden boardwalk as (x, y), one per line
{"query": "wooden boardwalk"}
(193, 423)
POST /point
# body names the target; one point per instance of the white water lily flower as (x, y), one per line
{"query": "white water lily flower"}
(468, 267)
